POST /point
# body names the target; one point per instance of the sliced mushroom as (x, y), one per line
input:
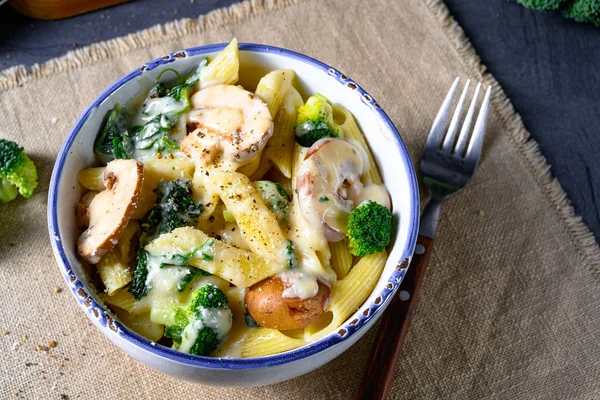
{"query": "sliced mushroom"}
(110, 210)
(267, 305)
(230, 121)
(327, 180)
(329, 186)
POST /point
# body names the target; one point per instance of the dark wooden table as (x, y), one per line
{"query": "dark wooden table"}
(549, 66)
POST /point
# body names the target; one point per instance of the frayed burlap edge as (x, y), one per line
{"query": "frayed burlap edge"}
(582, 237)
(580, 234)
(17, 75)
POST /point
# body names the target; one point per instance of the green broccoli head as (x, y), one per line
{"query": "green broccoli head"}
(175, 207)
(315, 121)
(276, 198)
(579, 10)
(17, 172)
(583, 11)
(369, 228)
(180, 321)
(207, 341)
(208, 296)
(543, 5)
(202, 326)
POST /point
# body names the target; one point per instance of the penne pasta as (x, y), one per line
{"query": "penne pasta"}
(127, 242)
(263, 342)
(204, 193)
(113, 271)
(263, 167)
(277, 90)
(352, 133)
(279, 148)
(341, 259)
(224, 69)
(234, 265)
(349, 293)
(141, 324)
(258, 225)
(92, 178)
(120, 298)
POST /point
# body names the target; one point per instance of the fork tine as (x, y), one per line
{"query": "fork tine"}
(451, 134)
(461, 143)
(476, 142)
(439, 124)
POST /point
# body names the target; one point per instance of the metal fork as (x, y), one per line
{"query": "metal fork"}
(447, 164)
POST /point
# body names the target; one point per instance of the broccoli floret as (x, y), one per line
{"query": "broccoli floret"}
(8, 191)
(17, 172)
(315, 121)
(369, 228)
(583, 11)
(201, 326)
(543, 5)
(208, 296)
(206, 342)
(114, 138)
(579, 10)
(276, 198)
(180, 321)
(174, 208)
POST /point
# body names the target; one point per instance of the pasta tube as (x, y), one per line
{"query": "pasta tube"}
(258, 224)
(352, 133)
(224, 69)
(283, 99)
(236, 266)
(349, 293)
(92, 178)
(341, 259)
(263, 342)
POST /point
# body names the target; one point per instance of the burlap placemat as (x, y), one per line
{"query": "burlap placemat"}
(509, 308)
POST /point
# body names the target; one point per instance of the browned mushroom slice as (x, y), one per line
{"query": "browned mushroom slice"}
(328, 179)
(230, 121)
(110, 210)
(267, 305)
(329, 186)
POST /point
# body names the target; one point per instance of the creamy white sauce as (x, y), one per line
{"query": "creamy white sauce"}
(163, 280)
(298, 285)
(188, 337)
(158, 105)
(220, 320)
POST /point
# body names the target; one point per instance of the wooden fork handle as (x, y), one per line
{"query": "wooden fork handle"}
(394, 327)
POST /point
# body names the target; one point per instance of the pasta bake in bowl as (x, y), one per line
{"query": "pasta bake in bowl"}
(235, 215)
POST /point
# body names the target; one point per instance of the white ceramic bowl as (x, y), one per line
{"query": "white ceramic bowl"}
(313, 77)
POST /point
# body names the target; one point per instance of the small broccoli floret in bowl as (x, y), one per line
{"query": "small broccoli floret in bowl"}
(202, 326)
(369, 228)
(315, 121)
(17, 172)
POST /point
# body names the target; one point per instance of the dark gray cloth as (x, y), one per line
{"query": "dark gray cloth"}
(548, 66)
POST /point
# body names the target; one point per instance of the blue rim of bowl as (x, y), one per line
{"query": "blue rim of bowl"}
(106, 320)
